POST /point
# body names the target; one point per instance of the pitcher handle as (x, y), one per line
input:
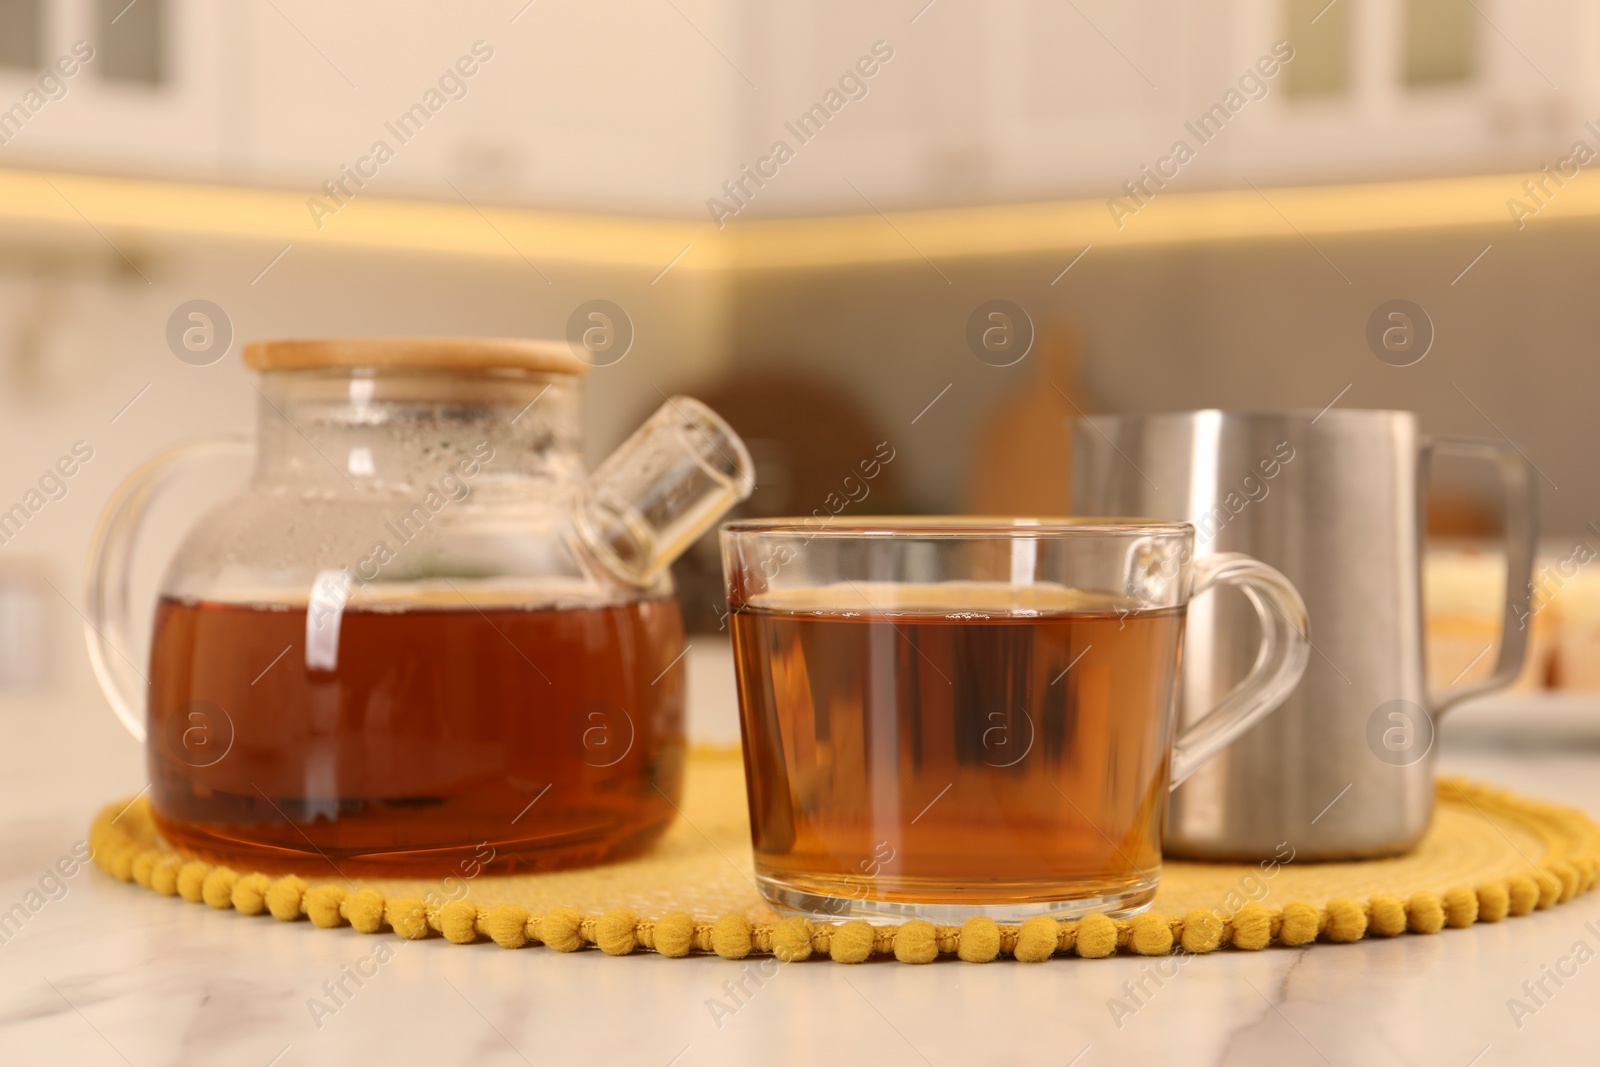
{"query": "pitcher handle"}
(1521, 545)
(108, 626)
(1285, 650)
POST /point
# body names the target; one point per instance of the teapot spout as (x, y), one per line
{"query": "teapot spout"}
(663, 487)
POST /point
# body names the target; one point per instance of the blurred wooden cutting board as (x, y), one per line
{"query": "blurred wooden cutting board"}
(1022, 452)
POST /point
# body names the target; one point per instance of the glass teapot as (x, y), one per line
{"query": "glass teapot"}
(419, 641)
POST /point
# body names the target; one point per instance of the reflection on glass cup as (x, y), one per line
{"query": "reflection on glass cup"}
(948, 717)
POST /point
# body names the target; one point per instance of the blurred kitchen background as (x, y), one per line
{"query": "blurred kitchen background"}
(937, 155)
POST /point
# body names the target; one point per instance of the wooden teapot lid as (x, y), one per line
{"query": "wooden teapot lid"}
(422, 353)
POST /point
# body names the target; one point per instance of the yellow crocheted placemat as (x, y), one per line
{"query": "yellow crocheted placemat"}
(1488, 855)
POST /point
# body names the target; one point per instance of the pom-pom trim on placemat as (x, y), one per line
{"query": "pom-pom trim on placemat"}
(124, 845)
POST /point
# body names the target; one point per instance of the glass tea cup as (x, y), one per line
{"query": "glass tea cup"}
(948, 717)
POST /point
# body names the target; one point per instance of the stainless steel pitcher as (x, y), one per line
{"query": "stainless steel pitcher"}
(1344, 768)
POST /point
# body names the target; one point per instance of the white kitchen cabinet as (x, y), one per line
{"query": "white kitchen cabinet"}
(919, 131)
(605, 106)
(1038, 99)
(636, 107)
(608, 106)
(1529, 93)
(179, 126)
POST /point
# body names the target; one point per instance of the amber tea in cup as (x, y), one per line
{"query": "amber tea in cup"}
(944, 718)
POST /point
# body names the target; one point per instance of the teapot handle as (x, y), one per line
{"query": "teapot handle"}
(108, 627)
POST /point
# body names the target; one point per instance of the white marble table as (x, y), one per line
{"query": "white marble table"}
(112, 975)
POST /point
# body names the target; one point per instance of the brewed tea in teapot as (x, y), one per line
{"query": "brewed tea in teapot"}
(420, 641)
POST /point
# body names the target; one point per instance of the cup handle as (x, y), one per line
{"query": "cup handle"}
(1521, 544)
(1285, 649)
(108, 626)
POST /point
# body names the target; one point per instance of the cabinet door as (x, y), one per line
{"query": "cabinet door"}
(1088, 93)
(1007, 100)
(877, 110)
(154, 99)
(1407, 88)
(608, 105)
